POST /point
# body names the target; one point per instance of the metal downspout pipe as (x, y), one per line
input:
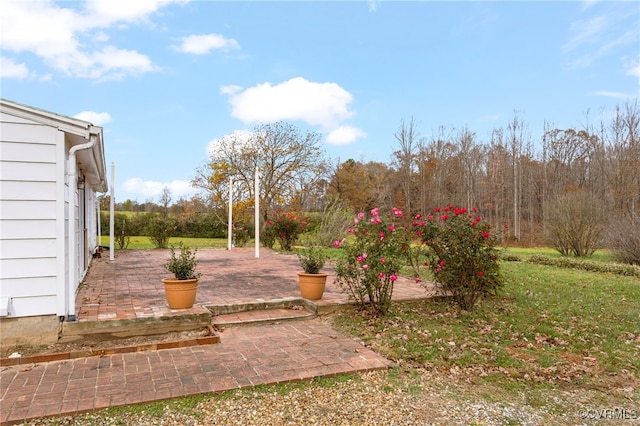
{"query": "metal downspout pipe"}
(72, 260)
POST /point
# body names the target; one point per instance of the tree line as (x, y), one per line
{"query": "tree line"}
(519, 184)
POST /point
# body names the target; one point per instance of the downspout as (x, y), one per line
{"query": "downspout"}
(73, 183)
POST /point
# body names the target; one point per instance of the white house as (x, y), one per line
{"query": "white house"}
(51, 169)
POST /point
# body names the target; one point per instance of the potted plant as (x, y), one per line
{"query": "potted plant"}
(312, 281)
(181, 290)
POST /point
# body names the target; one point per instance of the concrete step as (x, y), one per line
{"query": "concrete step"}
(262, 311)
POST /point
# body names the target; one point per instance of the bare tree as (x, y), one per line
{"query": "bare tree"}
(407, 137)
(165, 199)
(289, 161)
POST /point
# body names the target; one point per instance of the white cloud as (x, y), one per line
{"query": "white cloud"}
(203, 44)
(230, 90)
(615, 95)
(150, 188)
(11, 69)
(325, 105)
(72, 40)
(608, 26)
(344, 135)
(632, 67)
(318, 104)
(240, 137)
(106, 12)
(95, 118)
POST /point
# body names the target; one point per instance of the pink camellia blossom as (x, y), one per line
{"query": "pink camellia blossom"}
(382, 260)
(438, 269)
(437, 210)
(356, 221)
(429, 217)
(480, 273)
(365, 267)
(336, 244)
(485, 234)
(441, 263)
(391, 227)
(374, 212)
(360, 215)
(418, 216)
(393, 277)
(381, 235)
(474, 209)
(364, 255)
(381, 275)
(397, 212)
(359, 259)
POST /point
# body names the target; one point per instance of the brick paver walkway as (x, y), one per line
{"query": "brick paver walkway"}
(131, 287)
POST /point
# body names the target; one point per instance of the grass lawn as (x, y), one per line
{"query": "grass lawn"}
(549, 328)
(139, 243)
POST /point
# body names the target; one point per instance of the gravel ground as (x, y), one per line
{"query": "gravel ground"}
(395, 397)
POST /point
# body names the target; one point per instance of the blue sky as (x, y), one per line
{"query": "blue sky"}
(166, 78)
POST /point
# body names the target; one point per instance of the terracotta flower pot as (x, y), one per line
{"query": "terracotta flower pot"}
(181, 294)
(312, 285)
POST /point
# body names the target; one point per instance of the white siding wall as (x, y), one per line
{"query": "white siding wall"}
(30, 232)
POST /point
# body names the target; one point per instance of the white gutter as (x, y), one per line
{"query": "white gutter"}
(73, 267)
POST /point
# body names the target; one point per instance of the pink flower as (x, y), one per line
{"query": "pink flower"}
(391, 227)
(382, 260)
(485, 234)
(437, 210)
(364, 255)
(480, 273)
(380, 275)
(438, 269)
(381, 235)
(441, 263)
(393, 277)
(359, 259)
(397, 212)
(418, 216)
(360, 215)
(365, 267)
(336, 244)
(374, 212)
(356, 221)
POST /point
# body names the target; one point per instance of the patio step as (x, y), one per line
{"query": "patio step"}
(113, 329)
(262, 311)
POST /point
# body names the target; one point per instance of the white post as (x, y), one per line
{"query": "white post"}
(256, 191)
(112, 201)
(230, 225)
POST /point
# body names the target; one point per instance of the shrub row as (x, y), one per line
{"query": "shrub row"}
(587, 265)
(200, 225)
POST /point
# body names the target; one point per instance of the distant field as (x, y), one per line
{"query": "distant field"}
(527, 252)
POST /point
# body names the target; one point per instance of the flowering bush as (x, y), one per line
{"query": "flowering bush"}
(159, 230)
(463, 259)
(374, 255)
(240, 236)
(284, 227)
